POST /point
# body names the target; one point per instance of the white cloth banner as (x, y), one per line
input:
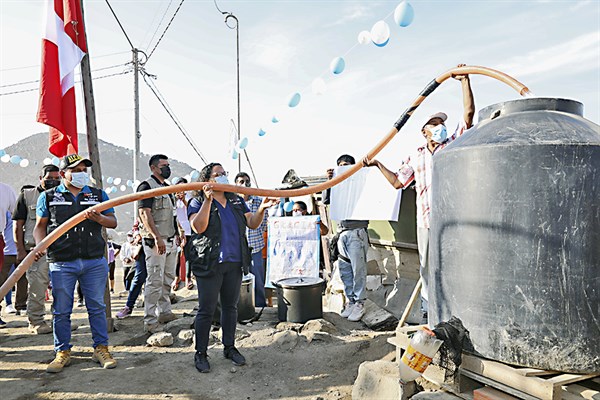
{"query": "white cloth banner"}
(366, 195)
(293, 248)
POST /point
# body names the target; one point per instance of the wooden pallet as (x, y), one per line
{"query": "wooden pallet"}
(523, 383)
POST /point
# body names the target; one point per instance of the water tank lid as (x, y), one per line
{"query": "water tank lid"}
(531, 104)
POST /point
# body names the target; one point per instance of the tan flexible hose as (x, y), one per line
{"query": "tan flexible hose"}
(62, 229)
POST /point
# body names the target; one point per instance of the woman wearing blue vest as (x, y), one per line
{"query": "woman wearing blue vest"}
(219, 254)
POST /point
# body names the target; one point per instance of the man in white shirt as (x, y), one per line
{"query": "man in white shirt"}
(8, 200)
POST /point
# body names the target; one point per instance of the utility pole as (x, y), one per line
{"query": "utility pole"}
(94, 153)
(237, 43)
(137, 134)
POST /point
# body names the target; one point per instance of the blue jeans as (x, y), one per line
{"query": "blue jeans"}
(258, 270)
(353, 244)
(92, 276)
(138, 280)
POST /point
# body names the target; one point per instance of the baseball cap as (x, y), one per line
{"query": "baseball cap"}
(72, 160)
(440, 115)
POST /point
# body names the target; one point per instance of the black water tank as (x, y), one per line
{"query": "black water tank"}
(515, 235)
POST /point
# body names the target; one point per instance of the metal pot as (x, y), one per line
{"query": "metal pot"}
(299, 299)
(246, 302)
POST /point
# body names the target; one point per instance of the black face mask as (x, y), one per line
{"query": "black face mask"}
(51, 183)
(165, 171)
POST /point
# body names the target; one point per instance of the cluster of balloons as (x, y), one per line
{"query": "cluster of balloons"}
(379, 35)
(17, 160)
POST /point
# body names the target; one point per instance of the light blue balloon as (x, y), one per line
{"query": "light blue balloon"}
(294, 100)
(382, 44)
(110, 180)
(337, 65)
(55, 161)
(288, 206)
(194, 175)
(261, 132)
(404, 14)
(243, 143)
(273, 120)
(234, 155)
(15, 159)
(2, 152)
(129, 182)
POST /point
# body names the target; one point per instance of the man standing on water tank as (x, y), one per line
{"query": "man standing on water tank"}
(420, 170)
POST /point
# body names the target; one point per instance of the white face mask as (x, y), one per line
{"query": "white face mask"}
(297, 213)
(79, 179)
(222, 179)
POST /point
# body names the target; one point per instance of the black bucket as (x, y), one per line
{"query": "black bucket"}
(299, 299)
(246, 301)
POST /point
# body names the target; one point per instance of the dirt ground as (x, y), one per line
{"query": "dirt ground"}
(319, 362)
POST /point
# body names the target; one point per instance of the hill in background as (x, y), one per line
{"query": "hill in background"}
(116, 161)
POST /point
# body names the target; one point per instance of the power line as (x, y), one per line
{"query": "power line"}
(95, 78)
(38, 65)
(159, 25)
(37, 80)
(165, 31)
(169, 111)
(119, 22)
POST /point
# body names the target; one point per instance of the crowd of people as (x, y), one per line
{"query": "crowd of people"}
(211, 237)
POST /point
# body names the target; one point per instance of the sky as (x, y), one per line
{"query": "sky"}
(553, 47)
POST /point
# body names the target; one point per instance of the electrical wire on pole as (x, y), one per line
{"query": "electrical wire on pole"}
(166, 29)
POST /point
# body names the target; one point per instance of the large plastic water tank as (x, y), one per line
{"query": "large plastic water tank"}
(515, 235)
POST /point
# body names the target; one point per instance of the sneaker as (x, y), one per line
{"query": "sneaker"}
(10, 309)
(2, 324)
(201, 362)
(167, 317)
(152, 328)
(102, 356)
(124, 313)
(357, 312)
(234, 355)
(347, 310)
(40, 329)
(61, 360)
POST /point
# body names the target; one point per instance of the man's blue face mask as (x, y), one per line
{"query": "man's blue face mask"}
(439, 133)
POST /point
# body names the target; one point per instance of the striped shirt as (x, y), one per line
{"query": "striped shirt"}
(255, 236)
(420, 170)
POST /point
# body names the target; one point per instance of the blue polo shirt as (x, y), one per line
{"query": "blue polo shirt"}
(231, 250)
(42, 211)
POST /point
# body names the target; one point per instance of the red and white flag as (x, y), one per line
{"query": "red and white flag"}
(63, 48)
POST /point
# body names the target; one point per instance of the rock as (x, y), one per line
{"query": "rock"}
(174, 327)
(289, 326)
(186, 336)
(377, 380)
(319, 325)
(233, 370)
(286, 340)
(239, 334)
(373, 282)
(160, 339)
(312, 336)
(377, 318)
(435, 395)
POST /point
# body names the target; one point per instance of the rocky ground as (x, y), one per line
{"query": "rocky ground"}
(317, 360)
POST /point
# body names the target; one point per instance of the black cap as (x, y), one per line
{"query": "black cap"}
(72, 160)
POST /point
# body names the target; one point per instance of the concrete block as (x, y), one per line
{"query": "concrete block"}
(397, 299)
(435, 395)
(378, 380)
(488, 393)
(373, 282)
(377, 318)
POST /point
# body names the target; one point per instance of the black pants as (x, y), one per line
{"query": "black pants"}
(226, 281)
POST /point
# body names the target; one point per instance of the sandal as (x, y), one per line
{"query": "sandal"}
(190, 285)
(176, 285)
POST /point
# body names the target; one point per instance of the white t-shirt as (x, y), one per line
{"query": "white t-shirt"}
(8, 200)
(182, 215)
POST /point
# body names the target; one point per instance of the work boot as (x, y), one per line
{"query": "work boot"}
(102, 355)
(40, 329)
(201, 362)
(167, 317)
(61, 360)
(234, 355)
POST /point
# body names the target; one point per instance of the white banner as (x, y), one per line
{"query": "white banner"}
(366, 195)
(293, 248)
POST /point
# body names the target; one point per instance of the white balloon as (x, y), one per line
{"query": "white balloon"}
(24, 163)
(5, 158)
(47, 161)
(318, 86)
(123, 188)
(404, 14)
(380, 33)
(364, 37)
(117, 181)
